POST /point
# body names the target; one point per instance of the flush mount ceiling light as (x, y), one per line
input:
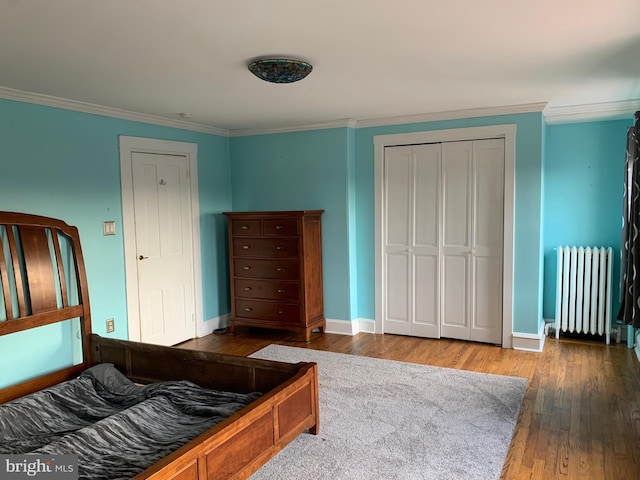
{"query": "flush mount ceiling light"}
(280, 70)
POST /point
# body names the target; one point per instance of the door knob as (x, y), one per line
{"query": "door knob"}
(142, 257)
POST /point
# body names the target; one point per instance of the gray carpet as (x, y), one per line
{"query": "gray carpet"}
(382, 419)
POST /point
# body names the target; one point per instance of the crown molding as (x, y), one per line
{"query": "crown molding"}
(623, 109)
(85, 107)
(453, 115)
(245, 132)
(592, 111)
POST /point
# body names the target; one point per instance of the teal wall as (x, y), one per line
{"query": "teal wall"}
(584, 183)
(303, 171)
(66, 164)
(353, 230)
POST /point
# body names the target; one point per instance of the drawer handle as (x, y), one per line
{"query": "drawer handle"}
(247, 289)
(280, 312)
(281, 290)
(246, 268)
(279, 227)
(248, 309)
(279, 247)
(246, 247)
(245, 227)
(280, 269)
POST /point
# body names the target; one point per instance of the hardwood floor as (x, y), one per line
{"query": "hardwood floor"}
(580, 418)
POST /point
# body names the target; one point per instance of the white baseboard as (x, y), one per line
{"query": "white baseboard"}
(350, 327)
(529, 342)
(207, 327)
(521, 341)
(637, 348)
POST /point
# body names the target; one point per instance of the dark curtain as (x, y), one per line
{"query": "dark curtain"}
(630, 246)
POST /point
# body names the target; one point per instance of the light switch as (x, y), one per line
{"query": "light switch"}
(109, 228)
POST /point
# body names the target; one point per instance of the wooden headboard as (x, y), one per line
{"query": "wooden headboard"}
(41, 270)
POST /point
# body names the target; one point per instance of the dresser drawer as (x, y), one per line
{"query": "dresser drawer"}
(278, 312)
(267, 289)
(265, 247)
(282, 269)
(246, 227)
(280, 226)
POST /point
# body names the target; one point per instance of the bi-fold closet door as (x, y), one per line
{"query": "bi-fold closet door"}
(443, 217)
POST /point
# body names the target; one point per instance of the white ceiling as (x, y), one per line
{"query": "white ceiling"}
(371, 58)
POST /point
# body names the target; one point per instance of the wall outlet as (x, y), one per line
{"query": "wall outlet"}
(111, 326)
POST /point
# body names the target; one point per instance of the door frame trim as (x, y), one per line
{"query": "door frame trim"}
(508, 133)
(128, 146)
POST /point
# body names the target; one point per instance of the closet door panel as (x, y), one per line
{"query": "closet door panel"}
(456, 173)
(488, 205)
(488, 196)
(455, 277)
(454, 296)
(426, 196)
(487, 309)
(398, 183)
(426, 313)
(397, 313)
(426, 232)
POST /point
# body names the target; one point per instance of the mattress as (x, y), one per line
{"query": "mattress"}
(116, 428)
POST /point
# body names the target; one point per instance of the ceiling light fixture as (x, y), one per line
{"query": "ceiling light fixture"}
(280, 70)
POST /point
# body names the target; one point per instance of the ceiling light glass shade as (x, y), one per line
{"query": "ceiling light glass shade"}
(280, 70)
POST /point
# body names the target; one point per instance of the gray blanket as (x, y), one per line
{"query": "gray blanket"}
(116, 428)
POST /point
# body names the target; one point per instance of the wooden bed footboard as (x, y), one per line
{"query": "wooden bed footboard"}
(238, 446)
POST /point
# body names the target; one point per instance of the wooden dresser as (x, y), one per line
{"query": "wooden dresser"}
(275, 263)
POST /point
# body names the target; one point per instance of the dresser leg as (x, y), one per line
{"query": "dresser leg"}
(232, 328)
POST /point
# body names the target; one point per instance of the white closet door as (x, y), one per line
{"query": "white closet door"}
(455, 284)
(398, 163)
(488, 206)
(443, 240)
(424, 248)
(411, 240)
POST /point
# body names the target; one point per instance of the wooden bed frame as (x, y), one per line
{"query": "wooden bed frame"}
(35, 289)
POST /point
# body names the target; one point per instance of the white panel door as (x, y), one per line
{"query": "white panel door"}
(411, 240)
(487, 235)
(398, 168)
(425, 239)
(161, 192)
(456, 239)
(443, 208)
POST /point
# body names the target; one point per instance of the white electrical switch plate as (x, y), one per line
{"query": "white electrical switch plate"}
(109, 228)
